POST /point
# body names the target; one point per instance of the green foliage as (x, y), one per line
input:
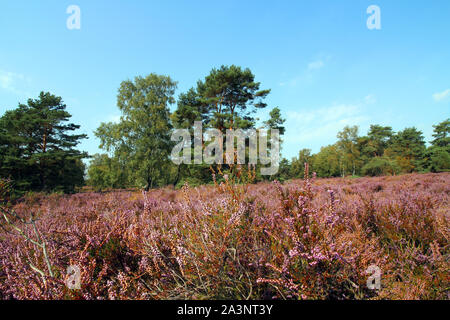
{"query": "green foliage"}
(106, 172)
(190, 109)
(37, 150)
(380, 166)
(275, 121)
(140, 142)
(408, 149)
(441, 134)
(229, 95)
(326, 163)
(226, 99)
(438, 155)
(284, 171)
(5, 190)
(298, 164)
(438, 159)
(381, 152)
(380, 137)
(348, 151)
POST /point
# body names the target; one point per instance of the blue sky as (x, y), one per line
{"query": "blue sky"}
(326, 69)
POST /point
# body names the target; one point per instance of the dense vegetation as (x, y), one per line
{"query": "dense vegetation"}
(380, 152)
(38, 151)
(228, 98)
(311, 239)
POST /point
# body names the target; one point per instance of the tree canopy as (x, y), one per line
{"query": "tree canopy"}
(141, 140)
(227, 98)
(39, 144)
(38, 150)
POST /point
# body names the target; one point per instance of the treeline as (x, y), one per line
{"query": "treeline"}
(381, 152)
(38, 146)
(139, 145)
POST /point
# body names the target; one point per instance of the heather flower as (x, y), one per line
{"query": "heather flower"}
(311, 239)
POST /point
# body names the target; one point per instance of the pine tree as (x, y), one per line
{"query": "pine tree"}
(38, 151)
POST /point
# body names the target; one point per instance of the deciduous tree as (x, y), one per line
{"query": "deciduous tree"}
(142, 137)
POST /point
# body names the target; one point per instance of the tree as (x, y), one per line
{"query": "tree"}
(298, 164)
(106, 172)
(226, 99)
(142, 137)
(284, 171)
(326, 163)
(275, 121)
(347, 145)
(438, 159)
(380, 138)
(232, 96)
(408, 149)
(378, 166)
(38, 151)
(189, 110)
(442, 134)
(438, 154)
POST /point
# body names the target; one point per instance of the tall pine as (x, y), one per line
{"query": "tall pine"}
(38, 147)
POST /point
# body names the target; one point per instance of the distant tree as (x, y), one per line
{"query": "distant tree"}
(232, 96)
(142, 137)
(106, 172)
(275, 121)
(38, 151)
(438, 159)
(347, 145)
(190, 109)
(284, 171)
(408, 149)
(379, 166)
(326, 163)
(441, 134)
(438, 154)
(380, 138)
(298, 164)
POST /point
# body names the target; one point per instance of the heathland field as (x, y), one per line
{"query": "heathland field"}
(305, 239)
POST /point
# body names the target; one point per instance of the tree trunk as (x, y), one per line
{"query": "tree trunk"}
(177, 177)
(149, 181)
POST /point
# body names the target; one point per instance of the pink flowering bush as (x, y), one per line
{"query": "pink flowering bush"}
(306, 239)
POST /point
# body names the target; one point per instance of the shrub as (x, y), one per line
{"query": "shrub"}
(379, 166)
(310, 239)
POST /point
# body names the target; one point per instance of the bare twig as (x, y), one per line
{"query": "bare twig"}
(39, 243)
